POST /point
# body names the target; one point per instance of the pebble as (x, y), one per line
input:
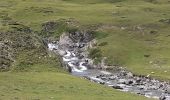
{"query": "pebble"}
(117, 87)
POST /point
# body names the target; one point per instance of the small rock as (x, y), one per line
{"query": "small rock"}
(117, 87)
(168, 90)
(146, 56)
(61, 52)
(129, 82)
(104, 78)
(161, 85)
(102, 83)
(122, 81)
(112, 77)
(129, 74)
(138, 80)
(162, 97)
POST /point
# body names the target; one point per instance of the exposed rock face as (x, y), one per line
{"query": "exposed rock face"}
(65, 40)
(81, 36)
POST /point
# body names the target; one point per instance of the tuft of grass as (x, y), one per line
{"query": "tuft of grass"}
(96, 54)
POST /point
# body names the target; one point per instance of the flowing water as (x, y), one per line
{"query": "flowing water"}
(81, 66)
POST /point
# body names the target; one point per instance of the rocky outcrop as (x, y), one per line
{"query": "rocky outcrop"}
(17, 40)
(81, 36)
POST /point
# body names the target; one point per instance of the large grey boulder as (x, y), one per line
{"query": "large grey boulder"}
(168, 90)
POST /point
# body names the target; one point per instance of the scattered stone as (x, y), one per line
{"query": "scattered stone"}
(146, 56)
(129, 75)
(129, 82)
(117, 87)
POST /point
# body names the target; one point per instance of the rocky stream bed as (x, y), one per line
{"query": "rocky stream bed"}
(74, 56)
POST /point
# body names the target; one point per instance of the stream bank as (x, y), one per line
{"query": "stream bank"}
(73, 50)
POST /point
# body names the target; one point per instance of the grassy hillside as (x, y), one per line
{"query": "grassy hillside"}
(132, 33)
(137, 30)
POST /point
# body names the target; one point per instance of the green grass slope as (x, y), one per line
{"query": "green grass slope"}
(132, 33)
(55, 86)
(135, 28)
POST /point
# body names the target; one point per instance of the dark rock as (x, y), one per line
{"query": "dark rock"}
(69, 69)
(153, 32)
(168, 90)
(162, 97)
(161, 85)
(117, 87)
(141, 88)
(129, 82)
(104, 78)
(102, 83)
(80, 56)
(97, 76)
(138, 80)
(147, 56)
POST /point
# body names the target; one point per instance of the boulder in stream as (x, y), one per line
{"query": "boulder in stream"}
(117, 87)
(168, 90)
